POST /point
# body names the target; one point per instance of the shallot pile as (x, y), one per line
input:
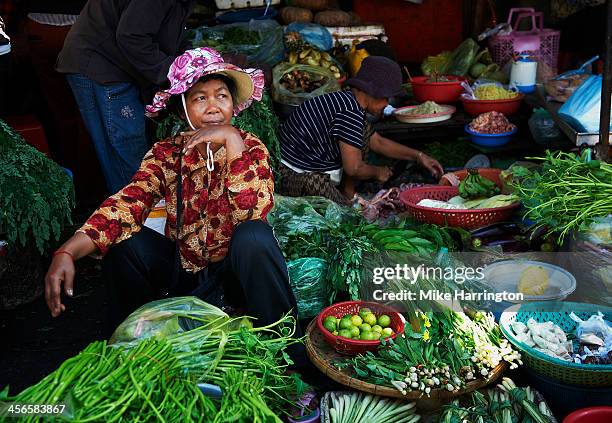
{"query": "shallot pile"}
(491, 123)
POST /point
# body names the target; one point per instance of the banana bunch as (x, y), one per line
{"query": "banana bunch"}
(476, 186)
(397, 239)
(313, 57)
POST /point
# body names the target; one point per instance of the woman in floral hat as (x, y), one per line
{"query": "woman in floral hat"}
(217, 184)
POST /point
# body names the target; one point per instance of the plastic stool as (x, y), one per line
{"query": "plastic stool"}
(31, 130)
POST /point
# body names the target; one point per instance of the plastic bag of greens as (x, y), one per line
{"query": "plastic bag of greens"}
(462, 58)
(294, 84)
(162, 318)
(306, 215)
(313, 34)
(307, 280)
(260, 40)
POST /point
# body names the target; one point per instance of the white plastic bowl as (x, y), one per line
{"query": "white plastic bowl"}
(505, 275)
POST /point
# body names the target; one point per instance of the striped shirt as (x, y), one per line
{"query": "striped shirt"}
(309, 138)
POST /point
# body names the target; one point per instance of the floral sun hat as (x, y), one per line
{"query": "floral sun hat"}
(189, 67)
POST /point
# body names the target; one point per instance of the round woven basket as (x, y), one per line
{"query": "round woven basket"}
(569, 373)
(323, 356)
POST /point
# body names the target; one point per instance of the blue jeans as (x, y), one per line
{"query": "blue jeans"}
(114, 116)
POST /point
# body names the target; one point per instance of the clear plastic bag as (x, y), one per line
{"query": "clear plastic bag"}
(260, 40)
(282, 95)
(543, 127)
(307, 280)
(305, 215)
(163, 318)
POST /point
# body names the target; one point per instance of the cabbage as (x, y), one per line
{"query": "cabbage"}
(462, 58)
(436, 64)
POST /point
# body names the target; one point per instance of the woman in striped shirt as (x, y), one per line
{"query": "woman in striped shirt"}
(322, 142)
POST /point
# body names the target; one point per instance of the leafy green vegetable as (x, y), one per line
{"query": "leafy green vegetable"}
(37, 195)
(567, 193)
(462, 58)
(229, 39)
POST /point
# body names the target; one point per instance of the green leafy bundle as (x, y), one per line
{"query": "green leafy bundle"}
(36, 195)
(567, 193)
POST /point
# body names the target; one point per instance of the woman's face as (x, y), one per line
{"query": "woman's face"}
(209, 103)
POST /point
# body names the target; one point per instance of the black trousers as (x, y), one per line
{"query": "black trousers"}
(253, 276)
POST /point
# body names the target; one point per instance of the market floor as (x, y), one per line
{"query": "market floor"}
(35, 344)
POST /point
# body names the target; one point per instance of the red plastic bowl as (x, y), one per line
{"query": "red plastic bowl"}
(507, 107)
(440, 92)
(590, 415)
(354, 346)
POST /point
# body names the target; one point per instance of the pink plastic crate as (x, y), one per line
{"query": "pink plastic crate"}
(538, 41)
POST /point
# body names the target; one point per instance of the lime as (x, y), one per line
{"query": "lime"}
(367, 336)
(377, 328)
(345, 323)
(335, 333)
(345, 333)
(347, 315)
(375, 336)
(365, 328)
(364, 311)
(387, 332)
(354, 332)
(329, 325)
(356, 320)
(370, 319)
(329, 319)
(384, 320)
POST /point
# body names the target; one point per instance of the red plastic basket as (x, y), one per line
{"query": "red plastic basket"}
(466, 219)
(353, 346)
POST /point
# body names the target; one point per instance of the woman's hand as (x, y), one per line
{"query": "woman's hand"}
(430, 164)
(60, 271)
(383, 174)
(217, 135)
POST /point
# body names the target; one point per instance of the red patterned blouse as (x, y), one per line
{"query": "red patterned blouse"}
(213, 203)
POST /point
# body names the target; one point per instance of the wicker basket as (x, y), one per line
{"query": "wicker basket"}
(324, 357)
(466, 219)
(353, 346)
(557, 312)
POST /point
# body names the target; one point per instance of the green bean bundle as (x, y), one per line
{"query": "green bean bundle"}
(104, 383)
(567, 193)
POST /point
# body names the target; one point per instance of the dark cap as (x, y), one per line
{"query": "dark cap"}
(379, 77)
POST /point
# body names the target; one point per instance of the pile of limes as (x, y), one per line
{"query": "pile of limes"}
(364, 326)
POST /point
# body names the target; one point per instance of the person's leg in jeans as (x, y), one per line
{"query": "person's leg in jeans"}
(139, 270)
(114, 117)
(125, 128)
(260, 275)
(84, 90)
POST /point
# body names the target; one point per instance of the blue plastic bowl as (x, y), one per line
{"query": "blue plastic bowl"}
(247, 15)
(490, 140)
